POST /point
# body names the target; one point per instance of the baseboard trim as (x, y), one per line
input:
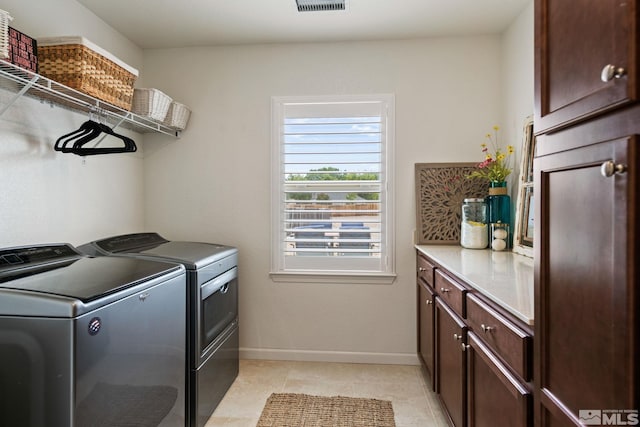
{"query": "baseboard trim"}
(329, 356)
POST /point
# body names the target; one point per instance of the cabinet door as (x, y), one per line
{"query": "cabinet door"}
(586, 270)
(450, 363)
(575, 40)
(426, 329)
(496, 397)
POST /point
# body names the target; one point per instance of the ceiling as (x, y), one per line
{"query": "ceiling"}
(171, 23)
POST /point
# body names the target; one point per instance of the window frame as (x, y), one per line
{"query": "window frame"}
(385, 274)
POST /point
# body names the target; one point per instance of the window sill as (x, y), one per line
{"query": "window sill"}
(329, 277)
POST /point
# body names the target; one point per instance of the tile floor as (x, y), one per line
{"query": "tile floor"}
(414, 404)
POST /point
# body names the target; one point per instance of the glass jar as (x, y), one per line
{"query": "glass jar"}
(500, 236)
(473, 230)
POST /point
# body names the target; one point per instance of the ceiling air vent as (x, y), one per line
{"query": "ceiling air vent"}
(318, 5)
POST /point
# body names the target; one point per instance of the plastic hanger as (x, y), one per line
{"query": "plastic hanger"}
(84, 129)
(74, 142)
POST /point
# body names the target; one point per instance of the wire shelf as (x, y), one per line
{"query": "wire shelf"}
(24, 82)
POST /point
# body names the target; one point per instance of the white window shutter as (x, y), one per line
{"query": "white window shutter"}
(332, 167)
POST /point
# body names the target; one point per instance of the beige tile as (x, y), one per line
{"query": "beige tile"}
(319, 388)
(413, 402)
(216, 421)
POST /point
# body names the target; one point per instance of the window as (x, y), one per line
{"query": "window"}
(332, 196)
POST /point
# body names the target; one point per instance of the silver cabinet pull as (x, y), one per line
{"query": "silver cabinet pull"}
(465, 346)
(429, 302)
(610, 168)
(422, 269)
(486, 328)
(445, 290)
(610, 72)
(457, 337)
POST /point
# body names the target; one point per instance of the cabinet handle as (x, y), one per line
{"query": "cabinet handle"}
(486, 328)
(610, 168)
(610, 72)
(465, 346)
(429, 302)
(445, 290)
(422, 269)
(457, 337)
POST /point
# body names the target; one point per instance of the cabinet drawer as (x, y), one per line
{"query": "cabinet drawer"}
(507, 340)
(425, 270)
(451, 292)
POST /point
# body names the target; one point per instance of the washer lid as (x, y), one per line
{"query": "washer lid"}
(60, 271)
(193, 255)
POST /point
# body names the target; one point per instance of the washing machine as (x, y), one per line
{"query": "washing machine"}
(212, 310)
(90, 341)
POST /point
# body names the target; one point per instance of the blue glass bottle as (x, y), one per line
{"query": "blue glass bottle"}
(498, 203)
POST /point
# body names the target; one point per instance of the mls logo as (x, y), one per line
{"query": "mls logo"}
(608, 417)
(590, 417)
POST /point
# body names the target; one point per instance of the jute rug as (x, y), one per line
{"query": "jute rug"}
(303, 410)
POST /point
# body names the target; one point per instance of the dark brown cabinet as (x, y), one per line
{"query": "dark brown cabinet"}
(586, 59)
(426, 300)
(587, 279)
(426, 317)
(511, 343)
(451, 363)
(496, 396)
(483, 380)
(587, 269)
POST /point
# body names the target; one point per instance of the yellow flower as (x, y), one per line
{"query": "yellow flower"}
(496, 166)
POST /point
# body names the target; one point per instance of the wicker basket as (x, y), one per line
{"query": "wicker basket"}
(81, 65)
(5, 18)
(150, 103)
(177, 116)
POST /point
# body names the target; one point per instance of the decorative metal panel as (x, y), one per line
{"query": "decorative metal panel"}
(440, 190)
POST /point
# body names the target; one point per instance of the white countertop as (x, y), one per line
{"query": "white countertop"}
(503, 277)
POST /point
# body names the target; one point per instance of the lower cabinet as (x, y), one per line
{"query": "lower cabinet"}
(426, 329)
(450, 362)
(478, 355)
(495, 396)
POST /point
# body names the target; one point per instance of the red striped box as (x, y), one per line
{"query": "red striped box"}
(23, 50)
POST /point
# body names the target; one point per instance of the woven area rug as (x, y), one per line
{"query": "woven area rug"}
(303, 410)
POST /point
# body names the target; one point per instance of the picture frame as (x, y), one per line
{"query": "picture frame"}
(525, 221)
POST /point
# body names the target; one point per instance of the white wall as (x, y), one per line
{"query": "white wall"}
(214, 183)
(46, 196)
(517, 84)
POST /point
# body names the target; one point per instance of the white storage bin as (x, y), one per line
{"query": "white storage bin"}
(177, 116)
(151, 103)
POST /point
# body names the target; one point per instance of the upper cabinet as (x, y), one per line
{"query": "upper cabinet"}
(586, 253)
(586, 59)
